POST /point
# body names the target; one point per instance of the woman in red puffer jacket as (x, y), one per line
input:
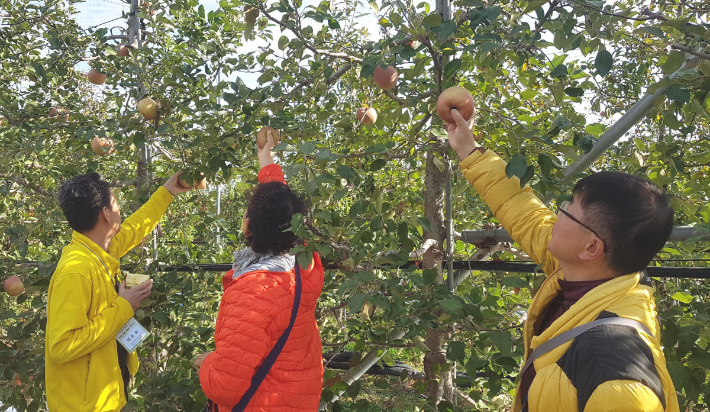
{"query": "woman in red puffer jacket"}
(256, 309)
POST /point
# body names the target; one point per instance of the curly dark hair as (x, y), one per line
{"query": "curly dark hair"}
(82, 198)
(270, 209)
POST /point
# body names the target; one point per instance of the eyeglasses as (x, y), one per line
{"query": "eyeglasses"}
(563, 208)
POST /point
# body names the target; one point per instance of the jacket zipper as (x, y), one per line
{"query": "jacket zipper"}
(86, 381)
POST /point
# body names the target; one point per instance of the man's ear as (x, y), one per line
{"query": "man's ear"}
(104, 214)
(594, 249)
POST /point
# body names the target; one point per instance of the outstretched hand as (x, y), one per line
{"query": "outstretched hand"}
(198, 362)
(264, 153)
(461, 135)
(174, 186)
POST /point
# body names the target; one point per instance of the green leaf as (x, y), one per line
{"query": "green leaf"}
(560, 71)
(517, 166)
(356, 302)
(682, 297)
(451, 305)
(451, 68)
(430, 276)
(503, 340)
(653, 30)
(377, 164)
(534, 5)
(447, 29)
(456, 351)
(514, 282)
(307, 147)
(493, 12)
(574, 91)
(678, 95)
(528, 94)
(603, 62)
(424, 223)
(433, 20)
(673, 62)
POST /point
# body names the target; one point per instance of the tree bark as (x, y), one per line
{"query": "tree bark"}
(434, 211)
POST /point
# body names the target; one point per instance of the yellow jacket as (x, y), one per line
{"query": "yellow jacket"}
(610, 368)
(84, 313)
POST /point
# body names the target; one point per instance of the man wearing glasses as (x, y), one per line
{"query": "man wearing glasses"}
(592, 339)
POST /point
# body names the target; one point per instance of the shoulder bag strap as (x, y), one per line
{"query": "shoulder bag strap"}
(574, 332)
(275, 351)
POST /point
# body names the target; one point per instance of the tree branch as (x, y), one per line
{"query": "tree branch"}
(25, 183)
(688, 50)
(607, 13)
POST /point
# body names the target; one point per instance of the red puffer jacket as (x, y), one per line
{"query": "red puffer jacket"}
(254, 312)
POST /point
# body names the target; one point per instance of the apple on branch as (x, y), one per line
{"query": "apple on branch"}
(148, 108)
(13, 286)
(95, 77)
(366, 115)
(386, 78)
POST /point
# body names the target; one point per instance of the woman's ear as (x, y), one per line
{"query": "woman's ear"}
(245, 226)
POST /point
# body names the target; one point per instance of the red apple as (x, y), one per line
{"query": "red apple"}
(13, 286)
(455, 98)
(98, 145)
(386, 79)
(122, 50)
(366, 115)
(95, 77)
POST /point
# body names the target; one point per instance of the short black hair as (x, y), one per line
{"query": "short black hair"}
(631, 213)
(82, 198)
(270, 209)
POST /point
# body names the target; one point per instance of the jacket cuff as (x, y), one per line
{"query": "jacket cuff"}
(474, 158)
(271, 173)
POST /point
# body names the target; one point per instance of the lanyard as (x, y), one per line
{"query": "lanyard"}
(102, 263)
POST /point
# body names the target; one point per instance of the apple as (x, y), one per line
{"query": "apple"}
(201, 185)
(122, 50)
(386, 79)
(95, 77)
(13, 286)
(148, 108)
(455, 98)
(58, 113)
(366, 115)
(98, 145)
(261, 136)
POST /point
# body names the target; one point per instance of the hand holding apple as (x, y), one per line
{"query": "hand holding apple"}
(460, 135)
(173, 184)
(263, 151)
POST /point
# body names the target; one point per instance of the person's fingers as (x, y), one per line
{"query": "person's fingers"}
(460, 121)
(122, 287)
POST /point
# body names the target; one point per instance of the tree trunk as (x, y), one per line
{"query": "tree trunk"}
(434, 211)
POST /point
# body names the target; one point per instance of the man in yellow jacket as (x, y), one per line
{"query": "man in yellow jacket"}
(593, 253)
(86, 370)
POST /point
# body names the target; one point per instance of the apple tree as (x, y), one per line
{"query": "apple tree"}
(549, 79)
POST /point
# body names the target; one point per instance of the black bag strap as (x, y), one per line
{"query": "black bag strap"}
(265, 367)
(574, 332)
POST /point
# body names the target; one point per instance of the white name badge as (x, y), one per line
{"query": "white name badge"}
(131, 335)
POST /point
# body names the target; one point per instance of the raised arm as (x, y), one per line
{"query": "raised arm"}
(521, 213)
(141, 223)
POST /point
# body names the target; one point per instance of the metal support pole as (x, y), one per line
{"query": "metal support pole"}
(449, 230)
(615, 132)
